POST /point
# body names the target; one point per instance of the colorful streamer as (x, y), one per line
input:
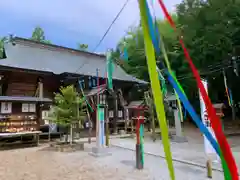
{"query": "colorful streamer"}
(199, 123)
(191, 111)
(216, 124)
(163, 83)
(179, 90)
(141, 141)
(230, 96)
(85, 97)
(228, 91)
(155, 36)
(109, 70)
(125, 54)
(157, 94)
(193, 114)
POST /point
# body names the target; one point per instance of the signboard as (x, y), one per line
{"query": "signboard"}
(45, 114)
(32, 107)
(6, 107)
(120, 114)
(24, 107)
(28, 107)
(204, 115)
(52, 127)
(110, 114)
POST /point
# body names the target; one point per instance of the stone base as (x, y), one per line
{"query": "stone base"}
(122, 132)
(100, 152)
(115, 133)
(179, 139)
(66, 147)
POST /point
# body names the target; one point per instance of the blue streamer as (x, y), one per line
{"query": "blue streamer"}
(185, 113)
(230, 95)
(155, 40)
(193, 114)
(152, 32)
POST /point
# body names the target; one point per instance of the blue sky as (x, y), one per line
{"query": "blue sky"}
(68, 22)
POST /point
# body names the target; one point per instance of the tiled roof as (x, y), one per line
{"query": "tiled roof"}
(30, 55)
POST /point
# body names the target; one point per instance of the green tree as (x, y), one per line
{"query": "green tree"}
(83, 47)
(2, 40)
(211, 32)
(134, 43)
(39, 35)
(69, 109)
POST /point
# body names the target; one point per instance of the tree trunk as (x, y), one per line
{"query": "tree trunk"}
(71, 134)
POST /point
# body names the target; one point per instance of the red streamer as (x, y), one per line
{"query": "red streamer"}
(228, 156)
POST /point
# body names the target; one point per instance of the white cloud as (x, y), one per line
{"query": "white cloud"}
(80, 16)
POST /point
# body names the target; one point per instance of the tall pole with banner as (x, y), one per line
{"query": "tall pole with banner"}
(204, 115)
(100, 149)
(210, 152)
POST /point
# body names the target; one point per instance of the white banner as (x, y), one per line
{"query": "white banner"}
(204, 115)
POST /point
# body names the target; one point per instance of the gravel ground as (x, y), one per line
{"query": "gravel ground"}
(36, 164)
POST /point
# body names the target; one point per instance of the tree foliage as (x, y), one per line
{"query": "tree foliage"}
(2, 40)
(211, 32)
(83, 47)
(68, 107)
(39, 35)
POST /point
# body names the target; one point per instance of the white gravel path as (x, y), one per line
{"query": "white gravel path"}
(36, 164)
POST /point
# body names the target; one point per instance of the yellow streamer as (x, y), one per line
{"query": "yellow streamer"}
(157, 94)
(170, 70)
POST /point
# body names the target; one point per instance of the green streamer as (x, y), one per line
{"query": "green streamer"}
(141, 142)
(109, 70)
(163, 82)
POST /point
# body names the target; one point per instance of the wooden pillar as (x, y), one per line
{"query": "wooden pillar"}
(115, 113)
(86, 82)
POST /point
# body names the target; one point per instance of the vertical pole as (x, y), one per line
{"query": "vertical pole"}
(90, 124)
(78, 125)
(107, 126)
(115, 112)
(71, 132)
(139, 162)
(40, 89)
(209, 168)
(97, 118)
(126, 119)
(141, 142)
(49, 129)
(102, 117)
(177, 123)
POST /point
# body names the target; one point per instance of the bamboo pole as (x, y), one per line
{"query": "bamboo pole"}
(209, 168)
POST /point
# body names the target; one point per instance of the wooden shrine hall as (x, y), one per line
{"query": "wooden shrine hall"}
(32, 72)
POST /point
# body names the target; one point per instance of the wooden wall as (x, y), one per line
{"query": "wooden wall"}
(25, 84)
(21, 84)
